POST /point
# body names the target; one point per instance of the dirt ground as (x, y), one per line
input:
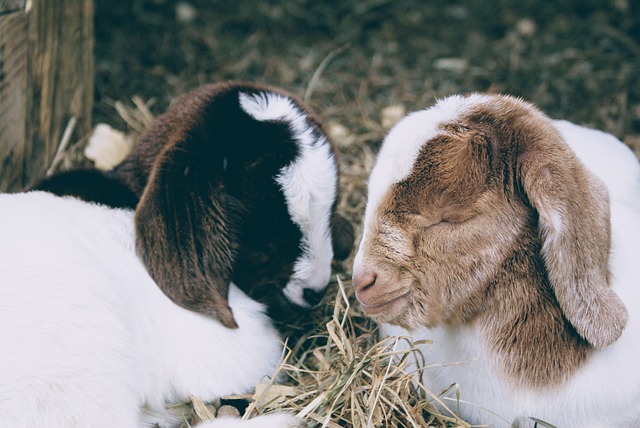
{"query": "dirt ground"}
(361, 63)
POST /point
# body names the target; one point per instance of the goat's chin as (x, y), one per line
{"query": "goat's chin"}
(391, 312)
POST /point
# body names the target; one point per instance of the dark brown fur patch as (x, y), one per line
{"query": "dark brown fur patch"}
(89, 185)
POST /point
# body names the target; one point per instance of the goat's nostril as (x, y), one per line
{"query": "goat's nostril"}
(312, 297)
(362, 281)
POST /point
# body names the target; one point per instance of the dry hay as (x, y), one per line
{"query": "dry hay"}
(339, 374)
(343, 375)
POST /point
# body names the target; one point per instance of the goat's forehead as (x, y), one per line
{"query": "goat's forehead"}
(402, 145)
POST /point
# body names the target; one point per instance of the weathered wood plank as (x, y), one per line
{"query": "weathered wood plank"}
(46, 78)
(61, 78)
(13, 101)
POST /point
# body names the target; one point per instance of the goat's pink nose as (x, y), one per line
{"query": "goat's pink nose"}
(363, 280)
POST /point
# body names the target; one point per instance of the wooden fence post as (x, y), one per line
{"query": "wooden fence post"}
(46, 79)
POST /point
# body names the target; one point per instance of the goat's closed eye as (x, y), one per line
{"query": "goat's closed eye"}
(455, 215)
(430, 221)
(456, 220)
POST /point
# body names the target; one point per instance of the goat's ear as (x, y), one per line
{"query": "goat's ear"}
(342, 236)
(574, 226)
(186, 229)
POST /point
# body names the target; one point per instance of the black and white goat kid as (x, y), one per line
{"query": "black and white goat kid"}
(153, 283)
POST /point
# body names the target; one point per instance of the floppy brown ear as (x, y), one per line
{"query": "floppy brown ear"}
(573, 208)
(186, 227)
(342, 236)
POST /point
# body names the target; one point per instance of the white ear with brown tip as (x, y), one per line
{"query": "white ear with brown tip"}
(574, 225)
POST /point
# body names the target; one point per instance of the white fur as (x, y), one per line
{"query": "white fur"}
(89, 339)
(605, 392)
(309, 187)
(608, 158)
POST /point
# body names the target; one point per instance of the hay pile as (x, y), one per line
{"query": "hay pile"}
(339, 374)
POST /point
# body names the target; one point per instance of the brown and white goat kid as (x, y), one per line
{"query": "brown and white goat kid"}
(511, 241)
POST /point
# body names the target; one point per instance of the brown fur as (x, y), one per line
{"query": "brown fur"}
(499, 225)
